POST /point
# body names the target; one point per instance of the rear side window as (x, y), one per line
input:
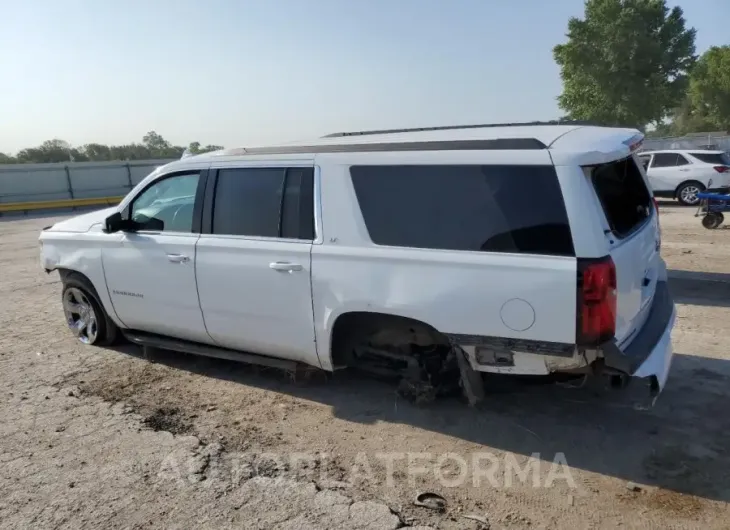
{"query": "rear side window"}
(623, 194)
(264, 202)
(665, 160)
(514, 209)
(713, 158)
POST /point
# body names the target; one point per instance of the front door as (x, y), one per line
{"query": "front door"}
(150, 273)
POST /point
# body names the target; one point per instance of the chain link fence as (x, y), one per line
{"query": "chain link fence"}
(714, 141)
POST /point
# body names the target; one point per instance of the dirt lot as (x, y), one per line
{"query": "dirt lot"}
(103, 438)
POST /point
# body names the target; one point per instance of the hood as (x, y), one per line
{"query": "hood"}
(82, 223)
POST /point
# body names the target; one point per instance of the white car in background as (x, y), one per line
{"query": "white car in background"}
(682, 173)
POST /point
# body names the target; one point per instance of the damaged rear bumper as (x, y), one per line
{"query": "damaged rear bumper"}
(649, 355)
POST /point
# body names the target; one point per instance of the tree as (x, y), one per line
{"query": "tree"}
(196, 149)
(49, 151)
(97, 152)
(153, 146)
(685, 119)
(155, 142)
(709, 89)
(159, 147)
(626, 62)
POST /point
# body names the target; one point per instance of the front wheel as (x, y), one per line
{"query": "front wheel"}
(84, 315)
(687, 193)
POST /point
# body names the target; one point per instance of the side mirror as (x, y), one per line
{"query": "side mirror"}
(113, 223)
(154, 225)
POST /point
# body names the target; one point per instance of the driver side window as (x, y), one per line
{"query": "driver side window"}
(167, 205)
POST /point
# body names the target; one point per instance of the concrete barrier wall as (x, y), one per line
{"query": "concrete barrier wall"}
(20, 183)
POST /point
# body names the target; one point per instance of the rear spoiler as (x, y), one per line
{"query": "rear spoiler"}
(595, 146)
(634, 143)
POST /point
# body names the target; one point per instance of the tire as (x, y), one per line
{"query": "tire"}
(712, 220)
(84, 314)
(687, 193)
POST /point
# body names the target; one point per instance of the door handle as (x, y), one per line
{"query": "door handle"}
(285, 266)
(178, 258)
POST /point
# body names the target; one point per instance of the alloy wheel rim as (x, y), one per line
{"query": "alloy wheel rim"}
(80, 315)
(689, 194)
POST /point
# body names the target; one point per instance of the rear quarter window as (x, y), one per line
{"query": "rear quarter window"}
(713, 158)
(483, 208)
(623, 195)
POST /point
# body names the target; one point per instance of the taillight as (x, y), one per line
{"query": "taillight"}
(597, 298)
(656, 204)
(721, 169)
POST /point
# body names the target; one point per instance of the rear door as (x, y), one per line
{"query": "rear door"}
(632, 232)
(664, 174)
(253, 261)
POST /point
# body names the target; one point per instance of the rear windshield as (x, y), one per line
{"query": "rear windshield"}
(515, 209)
(623, 194)
(713, 158)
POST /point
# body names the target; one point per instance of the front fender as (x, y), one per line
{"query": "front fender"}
(80, 253)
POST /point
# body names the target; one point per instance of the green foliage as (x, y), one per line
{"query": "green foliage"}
(196, 149)
(153, 146)
(709, 89)
(685, 119)
(706, 106)
(626, 62)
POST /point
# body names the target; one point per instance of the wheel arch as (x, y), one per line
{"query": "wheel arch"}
(684, 183)
(78, 281)
(65, 274)
(352, 326)
(101, 296)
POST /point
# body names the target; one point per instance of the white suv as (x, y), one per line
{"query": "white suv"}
(430, 254)
(682, 174)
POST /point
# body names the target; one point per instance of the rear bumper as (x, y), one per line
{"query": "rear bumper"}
(649, 355)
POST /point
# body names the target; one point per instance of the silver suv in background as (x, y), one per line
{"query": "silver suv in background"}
(681, 174)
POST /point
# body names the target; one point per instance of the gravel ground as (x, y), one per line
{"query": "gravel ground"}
(102, 438)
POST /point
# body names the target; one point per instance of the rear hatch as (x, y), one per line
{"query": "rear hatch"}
(632, 232)
(720, 162)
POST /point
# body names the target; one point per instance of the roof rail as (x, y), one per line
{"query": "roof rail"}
(444, 145)
(451, 127)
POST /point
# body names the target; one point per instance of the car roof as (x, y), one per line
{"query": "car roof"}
(577, 142)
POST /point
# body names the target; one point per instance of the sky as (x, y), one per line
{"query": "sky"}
(256, 72)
